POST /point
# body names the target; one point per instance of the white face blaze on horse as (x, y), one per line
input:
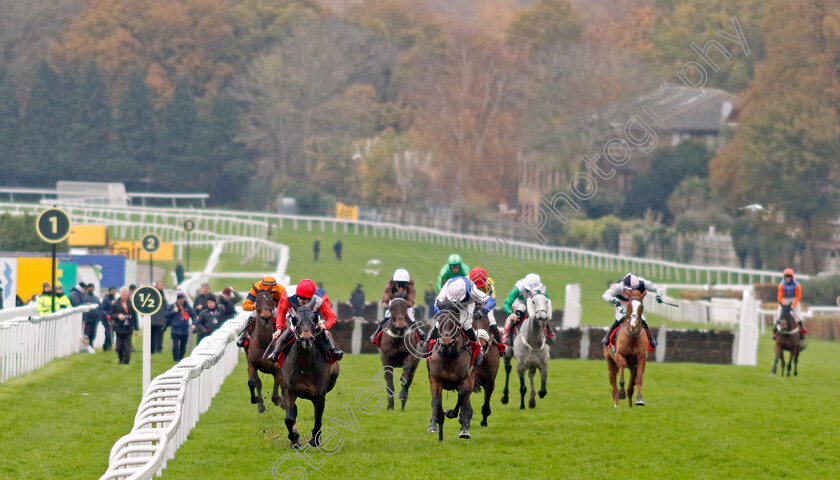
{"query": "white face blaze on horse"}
(634, 317)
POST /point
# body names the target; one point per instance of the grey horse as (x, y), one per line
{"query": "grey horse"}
(530, 348)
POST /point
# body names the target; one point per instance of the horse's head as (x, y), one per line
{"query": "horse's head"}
(264, 306)
(635, 307)
(786, 319)
(305, 324)
(539, 308)
(399, 314)
(449, 329)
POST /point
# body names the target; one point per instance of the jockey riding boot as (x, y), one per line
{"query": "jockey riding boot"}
(549, 333)
(281, 343)
(473, 338)
(418, 330)
(494, 330)
(378, 329)
(433, 334)
(606, 340)
(651, 340)
(327, 347)
(245, 333)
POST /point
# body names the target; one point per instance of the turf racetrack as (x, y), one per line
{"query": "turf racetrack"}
(701, 421)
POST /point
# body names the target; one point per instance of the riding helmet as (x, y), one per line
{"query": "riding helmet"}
(454, 259)
(268, 282)
(479, 277)
(401, 275)
(788, 271)
(306, 288)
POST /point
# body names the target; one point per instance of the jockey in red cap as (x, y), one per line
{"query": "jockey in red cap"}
(306, 294)
(484, 283)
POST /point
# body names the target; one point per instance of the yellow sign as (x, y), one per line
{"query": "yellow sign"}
(32, 273)
(347, 212)
(134, 251)
(88, 236)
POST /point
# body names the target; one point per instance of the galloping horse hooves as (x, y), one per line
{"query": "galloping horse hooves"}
(464, 433)
(532, 403)
(505, 399)
(640, 403)
(542, 393)
(450, 414)
(622, 394)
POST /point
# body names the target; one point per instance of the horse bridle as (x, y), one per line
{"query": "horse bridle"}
(387, 329)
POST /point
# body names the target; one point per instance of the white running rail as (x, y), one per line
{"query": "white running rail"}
(173, 404)
(29, 343)
(258, 224)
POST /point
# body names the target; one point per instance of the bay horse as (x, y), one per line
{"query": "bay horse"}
(530, 350)
(787, 338)
(450, 368)
(307, 374)
(397, 342)
(258, 343)
(485, 375)
(631, 349)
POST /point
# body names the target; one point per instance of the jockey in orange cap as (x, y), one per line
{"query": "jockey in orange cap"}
(306, 294)
(268, 283)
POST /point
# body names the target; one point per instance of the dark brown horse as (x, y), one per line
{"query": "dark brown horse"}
(396, 340)
(307, 374)
(485, 375)
(260, 340)
(631, 348)
(449, 369)
(787, 338)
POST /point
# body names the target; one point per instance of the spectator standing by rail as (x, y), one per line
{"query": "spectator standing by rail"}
(125, 323)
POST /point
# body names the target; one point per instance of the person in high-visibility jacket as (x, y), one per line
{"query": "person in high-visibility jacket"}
(45, 301)
(277, 292)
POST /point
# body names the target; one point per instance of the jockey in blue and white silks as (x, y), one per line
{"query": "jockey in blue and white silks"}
(463, 294)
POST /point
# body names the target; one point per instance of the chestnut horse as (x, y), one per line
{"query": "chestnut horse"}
(259, 341)
(787, 338)
(631, 348)
(307, 374)
(485, 375)
(449, 369)
(395, 347)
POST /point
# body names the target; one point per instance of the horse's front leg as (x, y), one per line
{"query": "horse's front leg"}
(790, 363)
(796, 365)
(543, 377)
(508, 368)
(613, 373)
(640, 371)
(775, 362)
(485, 408)
(466, 416)
(275, 395)
(522, 388)
(622, 364)
(318, 403)
(436, 424)
(406, 379)
(389, 381)
(255, 384)
(291, 420)
(532, 403)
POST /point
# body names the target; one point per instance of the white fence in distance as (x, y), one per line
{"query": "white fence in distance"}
(29, 343)
(258, 225)
(172, 405)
